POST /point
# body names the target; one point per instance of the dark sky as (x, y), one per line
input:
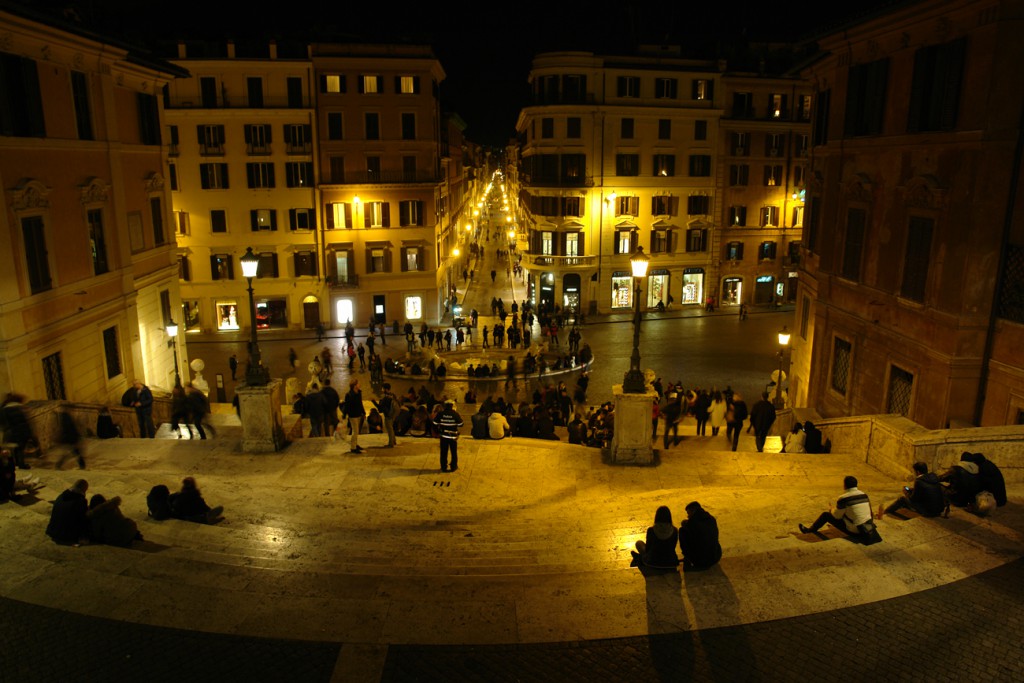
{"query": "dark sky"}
(484, 47)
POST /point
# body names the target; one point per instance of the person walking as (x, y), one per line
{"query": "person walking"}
(17, 429)
(448, 423)
(361, 351)
(389, 409)
(331, 402)
(198, 408)
(180, 411)
(735, 415)
(716, 412)
(233, 364)
(355, 413)
(762, 417)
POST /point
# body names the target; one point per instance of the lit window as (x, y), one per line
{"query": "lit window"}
(413, 308)
(408, 85)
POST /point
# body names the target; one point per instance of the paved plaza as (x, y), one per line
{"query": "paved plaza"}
(333, 566)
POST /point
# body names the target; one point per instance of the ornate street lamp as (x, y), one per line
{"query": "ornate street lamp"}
(172, 332)
(255, 374)
(634, 382)
(783, 343)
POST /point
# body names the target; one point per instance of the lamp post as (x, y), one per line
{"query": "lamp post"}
(255, 374)
(172, 332)
(783, 343)
(634, 383)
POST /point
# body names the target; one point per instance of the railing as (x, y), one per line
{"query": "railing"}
(543, 260)
(257, 150)
(345, 282)
(304, 148)
(367, 177)
(556, 180)
(196, 102)
(560, 98)
(211, 150)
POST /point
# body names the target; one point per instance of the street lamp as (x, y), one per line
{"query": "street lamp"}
(255, 374)
(172, 332)
(634, 382)
(783, 343)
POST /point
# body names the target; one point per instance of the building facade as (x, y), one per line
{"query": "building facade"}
(91, 282)
(913, 249)
(664, 153)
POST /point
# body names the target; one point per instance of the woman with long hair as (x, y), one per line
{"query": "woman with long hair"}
(659, 550)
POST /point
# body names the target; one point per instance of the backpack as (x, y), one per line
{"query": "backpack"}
(159, 502)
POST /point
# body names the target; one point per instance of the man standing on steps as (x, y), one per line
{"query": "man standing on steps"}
(762, 417)
(448, 423)
(355, 413)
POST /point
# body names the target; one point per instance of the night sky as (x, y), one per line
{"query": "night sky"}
(484, 47)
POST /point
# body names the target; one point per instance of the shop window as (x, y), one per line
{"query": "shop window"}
(413, 307)
(227, 315)
(622, 290)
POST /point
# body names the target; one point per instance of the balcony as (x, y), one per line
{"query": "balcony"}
(533, 180)
(343, 282)
(298, 148)
(559, 262)
(257, 149)
(211, 149)
(377, 177)
(196, 102)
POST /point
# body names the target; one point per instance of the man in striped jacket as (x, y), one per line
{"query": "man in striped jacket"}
(852, 513)
(448, 422)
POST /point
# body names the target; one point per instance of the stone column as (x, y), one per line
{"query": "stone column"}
(262, 426)
(631, 441)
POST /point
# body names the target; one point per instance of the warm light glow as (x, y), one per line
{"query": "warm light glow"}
(476, 212)
(455, 251)
(784, 337)
(511, 234)
(355, 199)
(250, 263)
(638, 262)
(612, 196)
(172, 329)
(508, 219)
(469, 227)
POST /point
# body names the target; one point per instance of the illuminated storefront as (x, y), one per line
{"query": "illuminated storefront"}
(622, 289)
(693, 286)
(657, 287)
(227, 315)
(732, 291)
(413, 307)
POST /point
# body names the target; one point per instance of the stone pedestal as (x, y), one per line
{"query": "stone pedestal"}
(260, 407)
(631, 441)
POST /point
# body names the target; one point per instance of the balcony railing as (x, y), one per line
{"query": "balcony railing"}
(545, 261)
(343, 282)
(534, 180)
(196, 102)
(258, 149)
(369, 177)
(298, 148)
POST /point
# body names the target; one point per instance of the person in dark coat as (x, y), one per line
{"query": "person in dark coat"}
(189, 505)
(991, 478)
(736, 414)
(702, 411)
(963, 480)
(17, 429)
(698, 539)
(812, 440)
(107, 524)
(762, 417)
(672, 411)
(69, 436)
(925, 497)
(198, 408)
(143, 405)
(180, 411)
(69, 523)
(356, 413)
(331, 402)
(658, 551)
(478, 425)
(105, 427)
(448, 423)
(316, 408)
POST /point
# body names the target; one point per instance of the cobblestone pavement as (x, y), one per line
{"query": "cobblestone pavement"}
(968, 630)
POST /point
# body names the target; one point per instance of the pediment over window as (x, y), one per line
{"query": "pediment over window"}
(859, 189)
(625, 225)
(924, 192)
(664, 225)
(30, 194)
(572, 225)
(154, 183)
(94, 191)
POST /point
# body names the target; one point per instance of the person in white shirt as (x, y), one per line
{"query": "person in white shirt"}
(497, 426)
(852, 513)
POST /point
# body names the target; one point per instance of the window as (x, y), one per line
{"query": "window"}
(662, 205)
(626, 129)
(625, 241)
(627, 206)
(221, 267)
(339, 215)
(373, 168)
(572, 206)
(698, 205)
(573, 127)
(574, 88)
(181, 223)
(295, 98)
(208, 92)
(798, 216)
(413, 307)
(53, 377)
(305, 264)
(573, 242)
(301, 219)
(742, 105)
(853, 244)
(766, 252)
(149, 119)
(702, 89)
(298, 173)
(696, 240)
(739, 175)
(36, 257)
(901, 385)
(627, 164)
(666, 88)
(412, 259)
(371, 85)
(865, 98)
(769, 216)
(773, 175)
(819, 129)
(774, 144)
(545, 206)
(409, 168)
(156, 212)
(173, 149)
(738, 216)
(298, 138)
(334, 129)
(218, 220)
(917, 258)
(801, 145)
(268, 264)
(700, 130)
(547, 240)
(700, 165)
(805, 316)
(80, 98)
(841, 352)
(628, 86)
(740, 144)
(211, 139)
(377, 260)
(547, 127)
(21, 103)
(407, 85)
(263, 219)
(172, 174)
(410, 212)
(803, 111)
(408, 126)
(372, 125)
(254, 89)
(213, 176)
(377, 214)
(777, 108)
(664, 129)
(935, 91)
(332, 83)
(97, 245)
(337, 164)
(257, 138)
(184, 269)
(260, 175)
(664, 165)
(734, 251)
(813, 222)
